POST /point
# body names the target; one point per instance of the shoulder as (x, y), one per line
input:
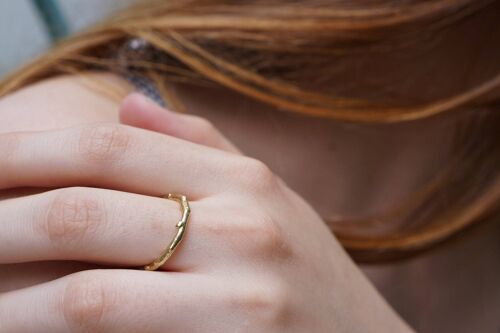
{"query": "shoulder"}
(63, 101)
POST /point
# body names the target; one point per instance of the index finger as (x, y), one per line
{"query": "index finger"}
(136, 110)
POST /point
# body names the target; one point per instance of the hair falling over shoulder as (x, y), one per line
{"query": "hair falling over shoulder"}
(337, 59)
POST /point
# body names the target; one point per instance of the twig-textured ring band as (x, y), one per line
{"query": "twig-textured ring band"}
(181, 227)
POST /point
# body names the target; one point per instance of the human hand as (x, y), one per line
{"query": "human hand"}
(256, 257)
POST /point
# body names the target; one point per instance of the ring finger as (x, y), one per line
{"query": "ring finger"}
(100, 226)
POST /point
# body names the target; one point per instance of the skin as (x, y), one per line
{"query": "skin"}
(256, 257)
(273, 268)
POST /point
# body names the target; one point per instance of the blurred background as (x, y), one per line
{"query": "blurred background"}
(29, 27)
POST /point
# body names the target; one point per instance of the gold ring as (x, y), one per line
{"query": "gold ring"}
(181, 227)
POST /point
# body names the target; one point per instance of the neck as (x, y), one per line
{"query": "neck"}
(346, 170)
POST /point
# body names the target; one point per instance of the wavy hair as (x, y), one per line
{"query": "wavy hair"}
(292, 55)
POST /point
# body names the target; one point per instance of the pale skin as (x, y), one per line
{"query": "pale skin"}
(256, 256)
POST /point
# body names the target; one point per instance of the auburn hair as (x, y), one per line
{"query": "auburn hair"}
(287, 53)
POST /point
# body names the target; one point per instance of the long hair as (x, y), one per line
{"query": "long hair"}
(292, 55)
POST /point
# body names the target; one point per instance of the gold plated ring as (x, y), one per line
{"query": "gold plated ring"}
(181, 227)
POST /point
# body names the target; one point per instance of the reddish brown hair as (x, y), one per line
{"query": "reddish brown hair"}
(292, 55)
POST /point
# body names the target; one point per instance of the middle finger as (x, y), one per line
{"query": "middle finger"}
(112, 156)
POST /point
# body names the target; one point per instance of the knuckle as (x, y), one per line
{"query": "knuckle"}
(71, 216)
(9, 145)
(256, 176)
(103, 142)
(202, 129)
(262, 236)
(268, 307)
(86, 299)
